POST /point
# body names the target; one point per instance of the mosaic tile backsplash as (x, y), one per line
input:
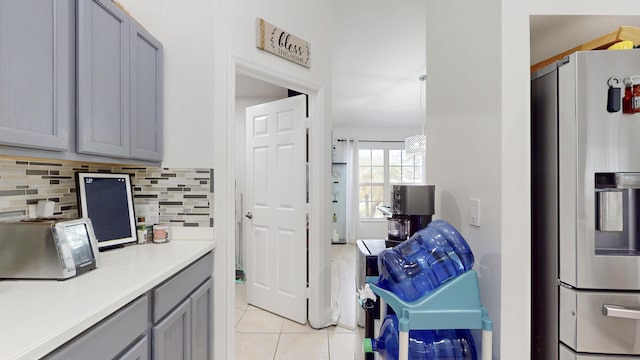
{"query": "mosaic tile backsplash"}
(181, 197)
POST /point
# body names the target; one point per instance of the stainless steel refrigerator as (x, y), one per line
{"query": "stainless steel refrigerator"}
(585, 240)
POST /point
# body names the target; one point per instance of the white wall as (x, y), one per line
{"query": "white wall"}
(482, 148)
(516, 152)
(463, 132)
(185, 32)
(234, 38)
(484, 145)
(200, 37)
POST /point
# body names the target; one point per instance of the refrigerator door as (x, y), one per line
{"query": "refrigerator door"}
(600, 322)
(598, 244)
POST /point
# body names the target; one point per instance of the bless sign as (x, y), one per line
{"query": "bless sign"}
(279, 42)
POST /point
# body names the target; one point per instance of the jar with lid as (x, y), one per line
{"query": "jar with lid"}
(141, 230)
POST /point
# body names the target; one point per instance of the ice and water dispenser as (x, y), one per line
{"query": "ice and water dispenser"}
(617, 213)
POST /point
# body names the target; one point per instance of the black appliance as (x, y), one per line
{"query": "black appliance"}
(367, 265)
(411, 209)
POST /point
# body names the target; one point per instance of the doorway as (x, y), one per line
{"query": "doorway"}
(274, 201)
(318, 291)
(249, 92)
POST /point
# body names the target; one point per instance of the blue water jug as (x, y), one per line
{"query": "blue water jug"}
(448, 233)
(404, 277)
(423, 344)
(429, 258)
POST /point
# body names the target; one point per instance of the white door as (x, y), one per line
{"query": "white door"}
(275, 205)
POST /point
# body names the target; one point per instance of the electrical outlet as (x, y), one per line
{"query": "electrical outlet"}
(474, 212)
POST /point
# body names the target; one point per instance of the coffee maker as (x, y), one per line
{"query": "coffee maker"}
(411, 209)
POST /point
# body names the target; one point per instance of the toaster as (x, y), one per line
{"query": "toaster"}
(47, 249)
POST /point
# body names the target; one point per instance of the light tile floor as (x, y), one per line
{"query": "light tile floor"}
(263, 335)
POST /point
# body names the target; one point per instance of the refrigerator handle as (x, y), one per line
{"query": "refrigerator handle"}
(620, 312)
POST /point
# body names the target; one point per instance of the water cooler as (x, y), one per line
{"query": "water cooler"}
(411, 209)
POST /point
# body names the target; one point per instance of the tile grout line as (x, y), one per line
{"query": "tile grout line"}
(275, 353)
(328, 347)
(277, 344)
(327, 334)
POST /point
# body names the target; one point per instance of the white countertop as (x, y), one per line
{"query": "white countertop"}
(37, 316)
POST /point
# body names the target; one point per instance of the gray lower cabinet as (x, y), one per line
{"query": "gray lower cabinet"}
(111, 337)
(171, 337)
(183, 324)
(202, 322)
(173, 321)
(119, 84)
(37, 73)
(139, 351)
(186, 332)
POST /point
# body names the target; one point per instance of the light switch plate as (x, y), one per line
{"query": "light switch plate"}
(474, 212)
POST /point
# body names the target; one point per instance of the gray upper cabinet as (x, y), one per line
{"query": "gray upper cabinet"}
(146, 95)
(103, 79)
(79, 80)
(119, 84)
(37, 68)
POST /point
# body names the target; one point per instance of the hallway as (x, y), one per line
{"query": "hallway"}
(263, 335)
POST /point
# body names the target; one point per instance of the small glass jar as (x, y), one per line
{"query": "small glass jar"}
(141, 230)
(160, 233)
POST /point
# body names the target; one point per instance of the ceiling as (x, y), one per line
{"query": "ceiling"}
(380, 51)
(378, 55)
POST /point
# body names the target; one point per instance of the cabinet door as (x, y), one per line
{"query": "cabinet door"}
(36, 73)
(171, 336)
(202, 322)
(146, 95)
(103, 79)
(139, 351)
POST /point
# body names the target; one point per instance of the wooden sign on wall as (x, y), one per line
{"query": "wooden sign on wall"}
(281, 43)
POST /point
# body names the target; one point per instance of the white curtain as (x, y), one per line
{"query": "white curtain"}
(352, 217)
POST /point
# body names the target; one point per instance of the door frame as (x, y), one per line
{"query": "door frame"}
(320, 312)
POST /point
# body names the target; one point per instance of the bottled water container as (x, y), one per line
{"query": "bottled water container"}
(431, 256)
(423, 344)
(459, 246)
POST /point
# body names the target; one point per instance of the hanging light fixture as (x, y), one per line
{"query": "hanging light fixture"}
(417, 144)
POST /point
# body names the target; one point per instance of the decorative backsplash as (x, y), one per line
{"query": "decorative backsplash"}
(182, 197)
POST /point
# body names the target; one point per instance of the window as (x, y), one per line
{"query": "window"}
(379, 169)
